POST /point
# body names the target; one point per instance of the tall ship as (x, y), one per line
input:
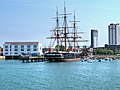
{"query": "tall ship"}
(65, 39)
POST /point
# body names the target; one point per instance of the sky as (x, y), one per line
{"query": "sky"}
(31, 20)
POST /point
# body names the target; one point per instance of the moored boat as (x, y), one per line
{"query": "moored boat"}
(62, 34)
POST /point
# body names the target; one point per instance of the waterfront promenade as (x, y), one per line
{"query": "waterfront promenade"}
(104, 56)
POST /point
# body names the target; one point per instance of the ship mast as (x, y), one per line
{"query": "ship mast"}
(56, 30)
(62, 35)
(57, 27)
(65, 28)
(65, 25)
(74, 32)
(75, 37)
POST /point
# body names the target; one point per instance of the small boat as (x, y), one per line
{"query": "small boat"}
(99, 60)
(91, 61)
(108, 59)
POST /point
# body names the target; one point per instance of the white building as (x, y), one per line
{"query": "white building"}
(114, 34)
(22, 48)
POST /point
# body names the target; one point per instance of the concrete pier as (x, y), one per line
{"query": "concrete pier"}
(33, 59)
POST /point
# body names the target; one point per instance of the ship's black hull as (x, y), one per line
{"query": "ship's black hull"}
(62, 56)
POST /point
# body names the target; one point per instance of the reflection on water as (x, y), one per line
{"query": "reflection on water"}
(78, 75)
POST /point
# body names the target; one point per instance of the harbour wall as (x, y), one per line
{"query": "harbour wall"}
(105, 56)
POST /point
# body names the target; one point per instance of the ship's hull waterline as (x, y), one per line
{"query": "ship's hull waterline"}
(62, 57)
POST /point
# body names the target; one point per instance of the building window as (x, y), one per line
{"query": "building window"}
(22, 46)
(35, 46)
(10, 46)
(28, 46)
(6, 46)
(34, 54)
(6, 53)
(22, 49)
(35, 49)
(6, 49)
(28, 53)
(28, 49)
(15, 49)
(23, 53)
(16, 53)
(15, 46)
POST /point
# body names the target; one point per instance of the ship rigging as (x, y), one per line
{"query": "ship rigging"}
(65, 36)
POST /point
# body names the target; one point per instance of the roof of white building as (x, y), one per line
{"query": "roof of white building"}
(22, 43)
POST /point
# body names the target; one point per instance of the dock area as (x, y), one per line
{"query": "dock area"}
(33, 59)
(42, 58)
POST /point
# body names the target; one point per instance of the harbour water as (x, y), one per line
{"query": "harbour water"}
(104, 75)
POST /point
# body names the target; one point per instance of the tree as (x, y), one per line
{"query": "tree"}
(103, 52)
(59, 48)
(110, 52)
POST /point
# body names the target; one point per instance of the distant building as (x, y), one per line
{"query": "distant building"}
(115, 48)
(94, 38)
(22, 48)
(114, 34)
